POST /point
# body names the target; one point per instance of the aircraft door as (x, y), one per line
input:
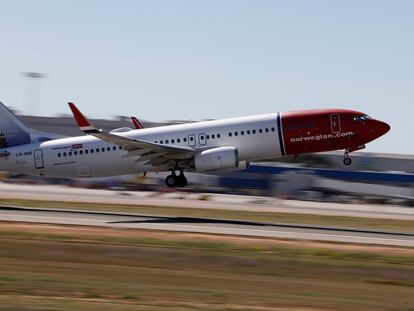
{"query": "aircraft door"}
(335, 123)
(191, 140)
(202, 139)
(38, 159)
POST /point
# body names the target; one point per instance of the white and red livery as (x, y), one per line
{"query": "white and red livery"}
(207, 146)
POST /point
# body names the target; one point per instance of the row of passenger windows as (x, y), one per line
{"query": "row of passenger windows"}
(253, 132)
(88, 151)
(191, 138)
(301, 126)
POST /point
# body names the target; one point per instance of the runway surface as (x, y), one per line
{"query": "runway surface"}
(202, 225)
(202, 201)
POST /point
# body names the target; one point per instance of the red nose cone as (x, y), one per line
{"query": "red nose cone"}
(381, 128)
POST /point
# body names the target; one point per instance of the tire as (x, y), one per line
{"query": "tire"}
(181, 181)
(347, 161)
(171, 181)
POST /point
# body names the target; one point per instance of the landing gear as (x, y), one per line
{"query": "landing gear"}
(181, 181)
(171, 180)
(176, 181)
(347, 160)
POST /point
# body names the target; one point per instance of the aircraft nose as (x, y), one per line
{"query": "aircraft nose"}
(381, 128)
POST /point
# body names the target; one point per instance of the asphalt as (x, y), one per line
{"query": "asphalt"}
(205, 225)
(202, 201)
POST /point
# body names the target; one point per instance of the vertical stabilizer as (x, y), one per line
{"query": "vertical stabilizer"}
(12, 131)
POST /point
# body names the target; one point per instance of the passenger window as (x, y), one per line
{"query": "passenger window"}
(114, 148)
(161, 142)
(91, 150)
(64, 154)
(86, 151)
(248, 132)
(75, 153)
(218, 135)
(166, 141)
(242, 132)
(103, 149)
(97, 150)
(191, 138)
(266, 130)
(213, 136)
(81, 152)
(178, 140)
(59, 155)
(70, 153)
(273, 129)
(172, 141)
(208, 137)
(260, 131)
(108, 148)
(254, 131)
(120, 147)
(230, 134)
(185, 139)
(236, 133)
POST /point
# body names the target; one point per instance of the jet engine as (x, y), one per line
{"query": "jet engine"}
(216, 159)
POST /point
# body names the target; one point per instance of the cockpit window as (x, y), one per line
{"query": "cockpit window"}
(361, 118)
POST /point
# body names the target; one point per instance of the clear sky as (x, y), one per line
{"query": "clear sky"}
(164, 60)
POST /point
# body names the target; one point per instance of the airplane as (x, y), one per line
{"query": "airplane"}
(212, 146)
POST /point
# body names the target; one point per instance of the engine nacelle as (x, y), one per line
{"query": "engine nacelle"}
(215, 159)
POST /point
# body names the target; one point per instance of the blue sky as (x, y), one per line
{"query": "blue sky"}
(164, 60)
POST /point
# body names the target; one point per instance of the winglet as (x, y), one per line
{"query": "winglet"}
(81, 120)
(137, 124)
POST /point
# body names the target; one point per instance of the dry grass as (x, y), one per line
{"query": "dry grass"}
(78, 268)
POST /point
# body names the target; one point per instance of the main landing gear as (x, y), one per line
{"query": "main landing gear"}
(174, 180)
(347, 159)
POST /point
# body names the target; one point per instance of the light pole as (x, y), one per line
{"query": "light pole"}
(33, 90)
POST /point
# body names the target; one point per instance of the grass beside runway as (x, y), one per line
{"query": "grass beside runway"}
(340, 221)
(45, 267)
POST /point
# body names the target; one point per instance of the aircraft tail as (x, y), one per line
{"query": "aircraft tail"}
(12, 131)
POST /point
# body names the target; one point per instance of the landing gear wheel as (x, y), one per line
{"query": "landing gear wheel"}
(181, 181)
(171, 180)
(347, 161)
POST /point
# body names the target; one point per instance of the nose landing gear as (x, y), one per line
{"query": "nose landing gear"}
(176, 181)
(347, 159)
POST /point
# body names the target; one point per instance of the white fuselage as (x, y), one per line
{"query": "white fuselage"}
(87, 156)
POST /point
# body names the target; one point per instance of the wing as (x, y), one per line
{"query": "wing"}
(148, 152)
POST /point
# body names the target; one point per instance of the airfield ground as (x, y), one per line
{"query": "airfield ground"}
(45, 267)
(50, 267)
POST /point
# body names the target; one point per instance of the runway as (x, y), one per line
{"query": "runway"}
(203, 225)
(208, 201)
